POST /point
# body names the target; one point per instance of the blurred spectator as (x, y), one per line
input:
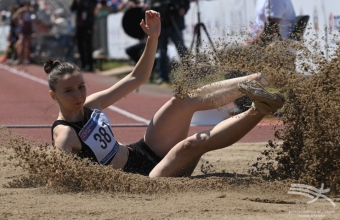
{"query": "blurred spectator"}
(134, 13)
(5, 16)
(274, 20)
(100, 31)
(102, 9)
(23, 20)
(60, 23)
(84, 30)
(43, 21)
(12, 37)
(116, 5)
(122, 5)
(173, 23)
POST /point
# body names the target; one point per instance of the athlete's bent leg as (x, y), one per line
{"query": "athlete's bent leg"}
(171, 122)
(181, 159)
(184, 156)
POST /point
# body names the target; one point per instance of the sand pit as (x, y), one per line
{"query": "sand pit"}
(220, 188)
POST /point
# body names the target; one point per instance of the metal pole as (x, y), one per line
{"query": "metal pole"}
(49, 126)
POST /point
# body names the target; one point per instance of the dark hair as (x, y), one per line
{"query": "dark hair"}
(56, 69)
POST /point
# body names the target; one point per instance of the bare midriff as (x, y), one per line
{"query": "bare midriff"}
(121, 157)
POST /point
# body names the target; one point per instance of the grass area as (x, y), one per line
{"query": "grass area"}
(110, 64)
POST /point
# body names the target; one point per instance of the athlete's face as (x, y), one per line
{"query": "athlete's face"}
(70, 91)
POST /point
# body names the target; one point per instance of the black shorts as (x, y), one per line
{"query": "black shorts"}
(141, 159)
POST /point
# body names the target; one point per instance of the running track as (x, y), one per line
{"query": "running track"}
(25, 101)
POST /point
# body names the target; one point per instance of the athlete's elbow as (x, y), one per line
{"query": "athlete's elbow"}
(141, 78)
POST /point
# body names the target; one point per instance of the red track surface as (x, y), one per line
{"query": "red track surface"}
(26, 102)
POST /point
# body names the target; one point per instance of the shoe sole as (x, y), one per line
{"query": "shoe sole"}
(260, 94)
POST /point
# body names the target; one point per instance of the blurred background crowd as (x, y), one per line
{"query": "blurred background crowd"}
(89, 32)
(31, 25)
(39, 29)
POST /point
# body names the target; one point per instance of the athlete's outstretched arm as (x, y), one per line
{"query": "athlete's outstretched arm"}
(141, 72)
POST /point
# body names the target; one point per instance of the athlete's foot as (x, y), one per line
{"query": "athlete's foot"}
(263, 101)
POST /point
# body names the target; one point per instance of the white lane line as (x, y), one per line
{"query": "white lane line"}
(23, 74)
(49, 125)
(44, 82)
(128, 114)
(118, 125)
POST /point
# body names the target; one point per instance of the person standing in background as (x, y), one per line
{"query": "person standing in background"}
(274, 18)
(103, 9)
(12, 37)
(135, 8)
(84, 30)
(173, 23)
(123, 5)
(60, 23)
(24, 29)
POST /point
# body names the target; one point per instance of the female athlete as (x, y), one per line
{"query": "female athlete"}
(165, 150)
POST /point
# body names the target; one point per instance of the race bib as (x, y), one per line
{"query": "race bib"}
(97, 134)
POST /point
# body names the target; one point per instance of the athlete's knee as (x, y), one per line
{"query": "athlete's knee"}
(195, 144)
(175, 101)
(187, 102)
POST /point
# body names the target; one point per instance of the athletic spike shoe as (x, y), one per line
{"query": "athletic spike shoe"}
(263, 101)
(263, 80)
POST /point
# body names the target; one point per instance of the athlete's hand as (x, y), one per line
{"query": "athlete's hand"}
(152, 24)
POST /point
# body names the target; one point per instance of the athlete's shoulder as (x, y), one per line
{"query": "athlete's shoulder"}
(66, 139)
(61, 128)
